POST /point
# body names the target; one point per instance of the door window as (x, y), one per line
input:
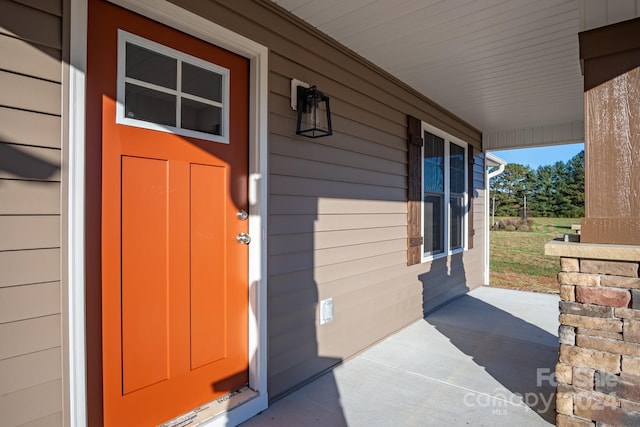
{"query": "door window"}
(163, 89)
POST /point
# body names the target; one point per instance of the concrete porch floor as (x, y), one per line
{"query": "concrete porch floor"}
(485, 359)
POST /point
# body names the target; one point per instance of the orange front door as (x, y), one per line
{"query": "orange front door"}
(174, 277)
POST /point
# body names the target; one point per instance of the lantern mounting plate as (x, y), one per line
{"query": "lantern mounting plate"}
(294, 92)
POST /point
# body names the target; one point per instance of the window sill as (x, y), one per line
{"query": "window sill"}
(442, 255)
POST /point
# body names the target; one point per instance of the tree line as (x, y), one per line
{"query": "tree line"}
(549, 191)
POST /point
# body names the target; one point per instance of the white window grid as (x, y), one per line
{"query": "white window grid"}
(125, 37)
(447, 195)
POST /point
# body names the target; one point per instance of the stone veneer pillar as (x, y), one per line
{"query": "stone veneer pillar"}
(598, 370)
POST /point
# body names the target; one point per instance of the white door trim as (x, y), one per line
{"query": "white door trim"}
(75, 396)
(183, 20)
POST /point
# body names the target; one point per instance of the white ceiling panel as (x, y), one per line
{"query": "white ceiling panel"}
(498, 64)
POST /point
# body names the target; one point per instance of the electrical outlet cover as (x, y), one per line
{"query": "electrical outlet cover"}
(326, 311)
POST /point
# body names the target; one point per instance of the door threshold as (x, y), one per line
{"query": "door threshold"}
(205, 413)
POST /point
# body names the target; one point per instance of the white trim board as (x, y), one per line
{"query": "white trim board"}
(539, 136)
(75, 389)
(183, 20)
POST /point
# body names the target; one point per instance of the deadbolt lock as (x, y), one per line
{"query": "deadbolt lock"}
(243, 238)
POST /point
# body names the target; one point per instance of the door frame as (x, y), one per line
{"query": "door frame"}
(75, 395)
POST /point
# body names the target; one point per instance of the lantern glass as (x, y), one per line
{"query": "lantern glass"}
(314, 114)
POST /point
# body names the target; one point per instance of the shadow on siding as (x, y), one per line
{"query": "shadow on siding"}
(24, 165)
(445, 280)
(302, 386)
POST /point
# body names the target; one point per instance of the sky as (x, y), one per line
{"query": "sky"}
(540, 156)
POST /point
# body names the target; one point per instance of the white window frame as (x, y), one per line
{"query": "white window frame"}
(448, 139)
(125, 37)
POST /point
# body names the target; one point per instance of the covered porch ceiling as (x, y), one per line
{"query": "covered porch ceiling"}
(508, 67)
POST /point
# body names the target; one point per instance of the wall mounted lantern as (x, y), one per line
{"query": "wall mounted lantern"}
(314, 114)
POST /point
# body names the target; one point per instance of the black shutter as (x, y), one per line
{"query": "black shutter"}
(414, 192)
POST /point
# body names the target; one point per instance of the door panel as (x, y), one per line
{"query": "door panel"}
(174, 280)
(208, 298)
(145, 340)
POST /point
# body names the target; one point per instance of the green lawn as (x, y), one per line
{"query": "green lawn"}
(517, 257)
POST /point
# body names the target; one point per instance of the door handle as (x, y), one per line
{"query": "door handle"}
(243, 238)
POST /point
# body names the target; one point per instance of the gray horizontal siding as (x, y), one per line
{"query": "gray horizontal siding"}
(286, 224)
(34, 335)
(29, 128)
(22, 21)
(30, 266)
(33, 405)
(53, 420)
(22, 57)
(286, 185)
(337, 205)
(308, 205)
(303, 168)
(51, 7)
(29, 232)
(288, 263)
(288, 243)
(30, 203)
(27, 93)
(385, 160)
(29, 301)
(29, 197)
(30, 370)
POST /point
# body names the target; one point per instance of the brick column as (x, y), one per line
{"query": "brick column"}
(598, 370)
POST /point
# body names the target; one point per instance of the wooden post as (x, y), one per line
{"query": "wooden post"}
(611, 66)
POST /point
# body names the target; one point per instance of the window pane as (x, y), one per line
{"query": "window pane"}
(200, 82)
(457, 167)
(433, 163)
(149, 105)
(201, 117)
(433, 211)
(457, 226)
(151, 67)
